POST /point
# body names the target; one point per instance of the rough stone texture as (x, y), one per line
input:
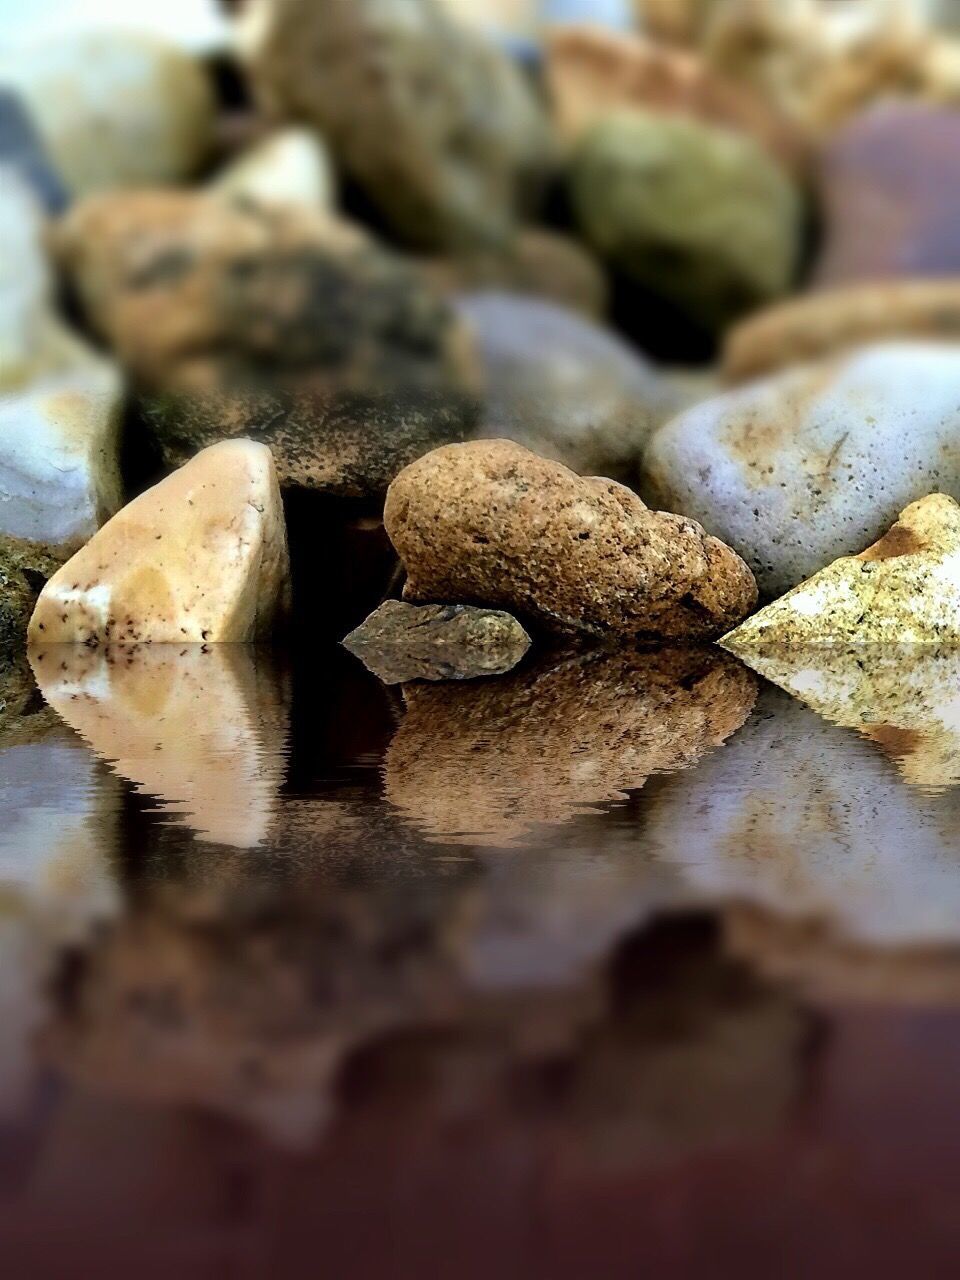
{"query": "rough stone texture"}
(487, 763)
(491, 523)
(291, 166)
(592, 73)
(202, 556)
(698, 215)
(22, 150)
(566, 388)
(890, 188)
(431, 119)
(115, 108)
(277, 324)
(814, 462)
(904, 589)
(832, 320)
(401, 642)
(538, 262)
(24, 570)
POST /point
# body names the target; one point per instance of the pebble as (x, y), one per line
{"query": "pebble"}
(425, 114)
(699, 216)
(291, 166)
(275, 323)
(115, 108)
(401, 642)
(814, 462)
(566, 388)
(491, 523)
(202, 556)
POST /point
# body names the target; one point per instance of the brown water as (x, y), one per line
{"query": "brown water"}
(619, 962)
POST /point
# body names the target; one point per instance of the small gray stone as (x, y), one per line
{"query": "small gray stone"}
(401, 642)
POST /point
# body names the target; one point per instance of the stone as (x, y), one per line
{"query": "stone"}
(487, 763)
(429, 118)
(401, 642)
(292, 166)
(275, 323)
(202, 556)
(904, 589)
(26, 281)
(115, 108)
(491, 523)
(536, 262)
(889, 183)
(24, 570)
(565, 388)
(699, 216)
(833, 320)
(22, 150)
(593, 73)
(814, 462)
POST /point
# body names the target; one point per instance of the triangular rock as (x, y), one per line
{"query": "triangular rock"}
(202, 556)
(905, 589)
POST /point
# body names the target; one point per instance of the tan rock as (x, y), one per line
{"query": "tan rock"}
(822, 323)
(491, 523)
(592, 72)
(202, 556)
(905, 589)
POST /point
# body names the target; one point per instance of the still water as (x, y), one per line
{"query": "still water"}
(622, 961)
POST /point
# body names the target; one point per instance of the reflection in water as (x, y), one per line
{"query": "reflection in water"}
(201, 729)
(905, 698)
(486, 763)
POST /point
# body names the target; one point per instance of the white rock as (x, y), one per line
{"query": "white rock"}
(292, 167)
(202, 556)
(115, 108)
(816, 462)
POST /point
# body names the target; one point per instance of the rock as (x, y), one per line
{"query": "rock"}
(26, 284)
(815, 462)
(697, 215)
(538, 262)
(429, 118)
(22, 151)
(202, 556)
(115, 108)
(24, 569)
(593, 73)
(833, 320)
(401, 642)
(491, 523)
(565, 388)
(904, 589)
(291, 166)
(202, 729)
(274, 323)
(487, 763)
(890, 186)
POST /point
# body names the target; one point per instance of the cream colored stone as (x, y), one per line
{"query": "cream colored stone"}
(905, 589)
(290, 167)
(202, 556)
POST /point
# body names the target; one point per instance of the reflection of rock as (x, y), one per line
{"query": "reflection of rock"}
(807, 821)
(203, 730)
(488, 762)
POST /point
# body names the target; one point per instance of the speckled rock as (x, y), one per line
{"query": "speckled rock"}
(202, 556)
(592, 72)
(904, 589)
(487, 763)
(401, 642)
(277, 324)
(115, 108)
(815, 462)
(833, 320)
(291, 166)
(566, 388)
(24, 569)
(491, 523)
(700, 216)
(432, 120)
(537, 262)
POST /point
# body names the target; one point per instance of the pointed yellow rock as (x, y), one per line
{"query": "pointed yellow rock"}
(202, 556)
(905, 589)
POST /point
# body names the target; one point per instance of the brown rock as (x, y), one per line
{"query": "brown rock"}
(276, 323)
(491, 523)
(592, 72)
(820, 324)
